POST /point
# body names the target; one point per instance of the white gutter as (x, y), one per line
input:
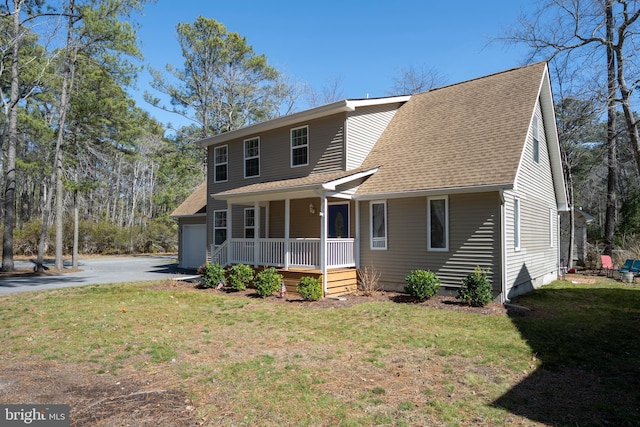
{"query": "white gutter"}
(435, 192)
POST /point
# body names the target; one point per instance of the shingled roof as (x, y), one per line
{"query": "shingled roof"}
(196, 203)
(467, 135)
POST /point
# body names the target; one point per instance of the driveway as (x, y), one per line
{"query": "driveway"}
(97, 271)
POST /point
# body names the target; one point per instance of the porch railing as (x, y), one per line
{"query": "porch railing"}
(304, 253)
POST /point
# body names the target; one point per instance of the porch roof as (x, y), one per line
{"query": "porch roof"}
(330, 184)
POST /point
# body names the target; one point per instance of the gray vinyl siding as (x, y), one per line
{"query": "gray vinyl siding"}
(474, 239)
(364, 127)
(536, 262)
(326, 154)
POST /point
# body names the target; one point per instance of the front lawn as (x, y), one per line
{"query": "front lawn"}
(140, 355)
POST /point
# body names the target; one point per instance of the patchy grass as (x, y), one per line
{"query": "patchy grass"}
(221, 359)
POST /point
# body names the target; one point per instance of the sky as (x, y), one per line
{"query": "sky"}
(361, 44)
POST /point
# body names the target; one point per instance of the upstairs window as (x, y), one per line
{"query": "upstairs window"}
(251, 157)
(536, 140)
(378, 225)
(300, 146)
(438, 224)
(220, 163)
(516, 224)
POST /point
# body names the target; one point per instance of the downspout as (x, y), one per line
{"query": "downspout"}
(503, 247)
(357, 235)
(323, 241)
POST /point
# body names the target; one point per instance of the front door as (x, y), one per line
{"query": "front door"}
(338, 220)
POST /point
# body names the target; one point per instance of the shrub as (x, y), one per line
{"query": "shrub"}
(476, 289)
(212, 275)
(310, 288)
(267, 282)
(239, 276)
(368, 279)
(422, 284)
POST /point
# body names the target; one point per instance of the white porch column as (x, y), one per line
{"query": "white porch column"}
(287, 221)
(323, 240)
(356, 242)
(256, 235)
(229, 231)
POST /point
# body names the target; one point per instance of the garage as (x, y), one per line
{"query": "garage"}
(194, 245)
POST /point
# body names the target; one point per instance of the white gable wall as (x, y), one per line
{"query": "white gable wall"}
(536, 262)
(364, 127)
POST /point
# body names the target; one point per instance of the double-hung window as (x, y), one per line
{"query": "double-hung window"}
(219, 227)
(516, 224)
(438, 224)
(536, 139)
(249, 223)
(300, 146)
(378, 226)
(251, 157)
(220, 163)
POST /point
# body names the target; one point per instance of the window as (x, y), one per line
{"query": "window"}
(551, 215)
(438, 224)
(220, 163)
(219, 227)
(251, 157)
(378, 225)
(516, 224)
(536, 140)
(300, 146)
(249, 223)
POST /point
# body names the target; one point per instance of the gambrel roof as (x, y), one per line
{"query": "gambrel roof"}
(467, 136)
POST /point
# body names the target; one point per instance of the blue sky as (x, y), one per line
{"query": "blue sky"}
(361, 43)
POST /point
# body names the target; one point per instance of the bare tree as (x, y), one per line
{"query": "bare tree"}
(418, 79)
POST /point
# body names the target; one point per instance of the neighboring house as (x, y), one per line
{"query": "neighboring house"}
(461, 176)
(580, 221)
(192, 229)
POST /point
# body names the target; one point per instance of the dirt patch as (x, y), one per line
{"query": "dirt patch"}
(127, 399)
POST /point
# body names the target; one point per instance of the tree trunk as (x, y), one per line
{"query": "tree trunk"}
(612, 149)
(10, 179)
(74, 257)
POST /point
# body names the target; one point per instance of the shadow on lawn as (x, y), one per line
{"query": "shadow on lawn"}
(588, 341)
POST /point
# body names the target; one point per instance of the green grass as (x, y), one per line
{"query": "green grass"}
(573, 361)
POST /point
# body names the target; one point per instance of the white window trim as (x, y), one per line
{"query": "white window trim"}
(219, 228)
(291, 147)
(244, 223)
(446, 228)
(386, 221)
(215, 164)
(517, 213)
(244, 153)
(536, 139)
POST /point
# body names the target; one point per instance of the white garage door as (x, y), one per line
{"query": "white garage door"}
(194, 245)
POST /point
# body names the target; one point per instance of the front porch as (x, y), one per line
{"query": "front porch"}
(297, 257)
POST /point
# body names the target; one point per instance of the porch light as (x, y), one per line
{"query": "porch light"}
(312, 209)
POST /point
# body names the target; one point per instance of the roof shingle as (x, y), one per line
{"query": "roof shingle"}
(470, 134)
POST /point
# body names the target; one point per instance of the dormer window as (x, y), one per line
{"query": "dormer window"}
(300, 146)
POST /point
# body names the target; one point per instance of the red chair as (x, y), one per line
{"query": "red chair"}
(606, 264)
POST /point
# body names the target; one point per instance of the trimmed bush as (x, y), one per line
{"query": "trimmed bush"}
(422, 284)
(239, 276)
(212, 275)
(476, 289)
(267, 282)
(310, 288)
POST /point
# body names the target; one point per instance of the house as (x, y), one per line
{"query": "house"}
(192, 229)
(457, 177)
(579, 251)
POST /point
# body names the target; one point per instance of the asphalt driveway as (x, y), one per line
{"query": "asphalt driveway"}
(97, 271)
